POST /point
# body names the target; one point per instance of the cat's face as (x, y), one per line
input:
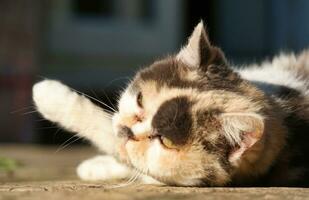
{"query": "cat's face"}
(189, 119)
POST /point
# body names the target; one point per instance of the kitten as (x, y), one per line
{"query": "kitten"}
(193, 120)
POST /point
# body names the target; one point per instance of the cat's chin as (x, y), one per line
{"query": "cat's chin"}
(152, 158)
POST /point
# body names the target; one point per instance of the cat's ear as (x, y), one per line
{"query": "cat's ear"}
(198, 51)
(242, 130)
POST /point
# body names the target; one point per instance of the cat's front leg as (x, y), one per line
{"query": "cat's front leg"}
(74, 112)
(103, 168)
(106, 168)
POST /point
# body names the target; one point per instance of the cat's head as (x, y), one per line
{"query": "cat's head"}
(189, 119)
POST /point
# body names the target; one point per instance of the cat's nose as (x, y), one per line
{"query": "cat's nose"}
(125, 132)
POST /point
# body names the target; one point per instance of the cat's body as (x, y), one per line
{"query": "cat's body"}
(286, 80)
(192, 120)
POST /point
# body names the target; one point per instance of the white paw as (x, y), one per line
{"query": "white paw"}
(50, 96)
(102, 168)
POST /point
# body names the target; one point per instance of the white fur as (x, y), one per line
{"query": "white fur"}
(103, 168)
(153, 155)
(277, 72)
(243, 129)
(129, 108)
(128, 103)
(58, 103)
(234, 124)
(142, 128)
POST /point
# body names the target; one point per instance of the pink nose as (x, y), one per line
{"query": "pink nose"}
(140, 115)
(138, 118)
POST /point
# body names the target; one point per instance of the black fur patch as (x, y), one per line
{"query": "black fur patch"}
(125, 132)
(278, 91)
(209, 147)
(165, 72)
(208, 118)
(298, 142)
(173, 120)
(168, 72)
(220, 147)
(286, 92)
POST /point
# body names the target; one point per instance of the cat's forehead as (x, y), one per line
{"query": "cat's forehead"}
(172, 73)
(169, 73)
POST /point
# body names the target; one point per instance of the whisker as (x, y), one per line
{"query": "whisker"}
(30, 112)
(96, 96)
(21, 109)
(117, 79)
(128, 182)
(108, 112)
(50, 127)
(64, 146)
(139, 176)
(94, 99)
(57, 131)
(134, 178)
(109, 100)
(144, 172)
(65, 142)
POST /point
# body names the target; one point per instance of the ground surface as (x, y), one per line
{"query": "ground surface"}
(49, 174)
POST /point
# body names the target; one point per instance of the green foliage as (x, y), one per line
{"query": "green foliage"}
(8, 165)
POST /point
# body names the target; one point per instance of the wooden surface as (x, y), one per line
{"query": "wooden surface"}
(46, 173)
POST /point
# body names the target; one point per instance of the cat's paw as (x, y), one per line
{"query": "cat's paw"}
(50, 96)
(102, 168)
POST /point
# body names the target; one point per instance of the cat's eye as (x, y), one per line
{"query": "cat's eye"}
(139, 99)
(168, 143)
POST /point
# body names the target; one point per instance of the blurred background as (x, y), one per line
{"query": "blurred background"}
(96, 45)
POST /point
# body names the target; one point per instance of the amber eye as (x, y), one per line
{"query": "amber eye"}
(168, 143)
(139, 99)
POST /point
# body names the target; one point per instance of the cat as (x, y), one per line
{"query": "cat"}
(192, 119)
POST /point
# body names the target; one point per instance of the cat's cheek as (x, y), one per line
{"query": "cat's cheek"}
(160, 159)
(122, 152)
(115, 122)
(151, 155)
(136, 151)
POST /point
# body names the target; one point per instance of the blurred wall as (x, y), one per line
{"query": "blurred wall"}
(95, 42)
(19, 40)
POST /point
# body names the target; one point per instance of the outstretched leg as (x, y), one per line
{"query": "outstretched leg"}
(74, 112)
(104, 168)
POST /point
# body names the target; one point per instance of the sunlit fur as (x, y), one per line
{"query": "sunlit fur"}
(224, 126)
(192, 164)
